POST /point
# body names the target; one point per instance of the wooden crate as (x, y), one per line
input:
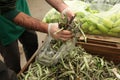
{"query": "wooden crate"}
(107, 47)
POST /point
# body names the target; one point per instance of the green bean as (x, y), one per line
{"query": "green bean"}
(71, 67)
(87, 75)
(66, 73)
(64, 64)
(86, 63)
(79, 27)
(39, 68)
(71, 77)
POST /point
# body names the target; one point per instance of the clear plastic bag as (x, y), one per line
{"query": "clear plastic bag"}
(105, 23)
(112, 2)
(48, 56)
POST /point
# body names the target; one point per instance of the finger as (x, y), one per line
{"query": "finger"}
(65, 32)
(66, 36)
(64, 39)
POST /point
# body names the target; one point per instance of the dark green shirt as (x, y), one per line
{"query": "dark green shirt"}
(9, 31)
(8, 7)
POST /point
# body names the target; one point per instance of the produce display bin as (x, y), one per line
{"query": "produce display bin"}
(107, 47)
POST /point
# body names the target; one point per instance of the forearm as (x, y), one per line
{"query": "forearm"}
(57, 4)
(30, 23)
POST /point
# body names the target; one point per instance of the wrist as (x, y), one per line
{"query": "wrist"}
(52, 27)
(49, 28)
(64, 11)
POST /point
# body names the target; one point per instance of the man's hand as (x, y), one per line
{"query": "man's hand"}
(63, 8)
(56, 33)
(68, 12)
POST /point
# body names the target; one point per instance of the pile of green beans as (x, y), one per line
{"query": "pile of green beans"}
(77, 65)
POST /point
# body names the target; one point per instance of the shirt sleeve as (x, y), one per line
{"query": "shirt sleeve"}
(8, 9)
(11, 14)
